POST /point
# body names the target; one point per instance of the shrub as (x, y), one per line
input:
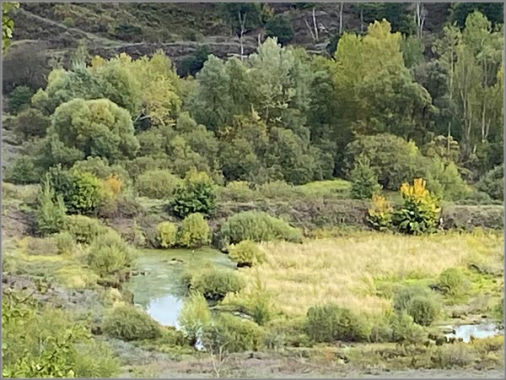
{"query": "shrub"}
(194, 317)
(31, 123)
(194, 232)
(238, 191)
(423, 310)
(195, 195)
(157, 183)
(330, 322)
(51, 211)
(404, 295)
(445, 181)
(64, 242)
(22, 171)
(19, 98)
(492, 183)
(278, 26)
(453, 283)
(364, 180)
(246, 253)
(82, 192)
(127, 322)
(109, 254)
(214, 283)
(84, 229)
(166, 234)
(420, 211)
(277, 189)
(380, 214)
(232, 334)
(453, 355)
(393, 166)
(256, 226)
(405, 330)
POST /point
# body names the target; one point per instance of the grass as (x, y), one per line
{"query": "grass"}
(325, 188)
(345, 270)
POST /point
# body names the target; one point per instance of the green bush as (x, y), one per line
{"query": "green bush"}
(194, 232)
(364, 180)
(51, 211)
(404, 295)
(379, 216)
(445, 181)
(330, 322)
(31, 123)
(22, 171)
(64, 242)
(256, 226)
(420, 211)
(232, 334)
(238, 191)
(214, 283)
(405, 330)
(157, 183)
(277, 189)
(194, 317)
(246, 253)
(454, 283)
(84, 229)
(492, 183)
(166, 234)
(82, 192)
(127, 322)
(423, 310)
(20, 98)
(196, 194)
(109, 254)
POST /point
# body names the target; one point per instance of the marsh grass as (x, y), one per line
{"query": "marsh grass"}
(345, 270)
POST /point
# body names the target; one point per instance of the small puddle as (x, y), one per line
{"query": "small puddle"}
(157, 285)
(478, 331)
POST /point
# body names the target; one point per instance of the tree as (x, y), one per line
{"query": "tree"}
(242, 17)
(278, 26)
(96, 128)
(364, 180)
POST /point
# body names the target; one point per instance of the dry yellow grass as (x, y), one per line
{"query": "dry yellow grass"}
(342, 270)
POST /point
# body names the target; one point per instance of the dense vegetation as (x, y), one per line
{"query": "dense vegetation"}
(355, 193)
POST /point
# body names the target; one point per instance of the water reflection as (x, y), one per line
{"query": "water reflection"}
(479, 331)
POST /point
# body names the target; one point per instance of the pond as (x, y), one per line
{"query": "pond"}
(477, 331)
(156, 280)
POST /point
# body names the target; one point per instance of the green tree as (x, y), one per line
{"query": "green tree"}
(278, 26)
(7, 24)
(197, 194)
(364, 180)
(96, 128)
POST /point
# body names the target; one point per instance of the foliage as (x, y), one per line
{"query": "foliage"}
(109, 254)
(492, 183)
(65, 243)
(51, 210)
(84, 229)
(246, 253)
(423, 310)
(19, 98)
(195, 316)
(31, 122)
(214, 284)
(192, 64)
(194, 232)
(7, 24)
(405, 330)
(256, 226)
(127, 322)
(420, 211)
(196, 194)
(393, 166)
(380, 214)
(445, 181)
(157, 183)
(166, 234)
(454, 283)
(46, 342)
(82, 192)
(22, 171)
(278, 26)
(330, 322)
(364, 180)
(232, 334)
